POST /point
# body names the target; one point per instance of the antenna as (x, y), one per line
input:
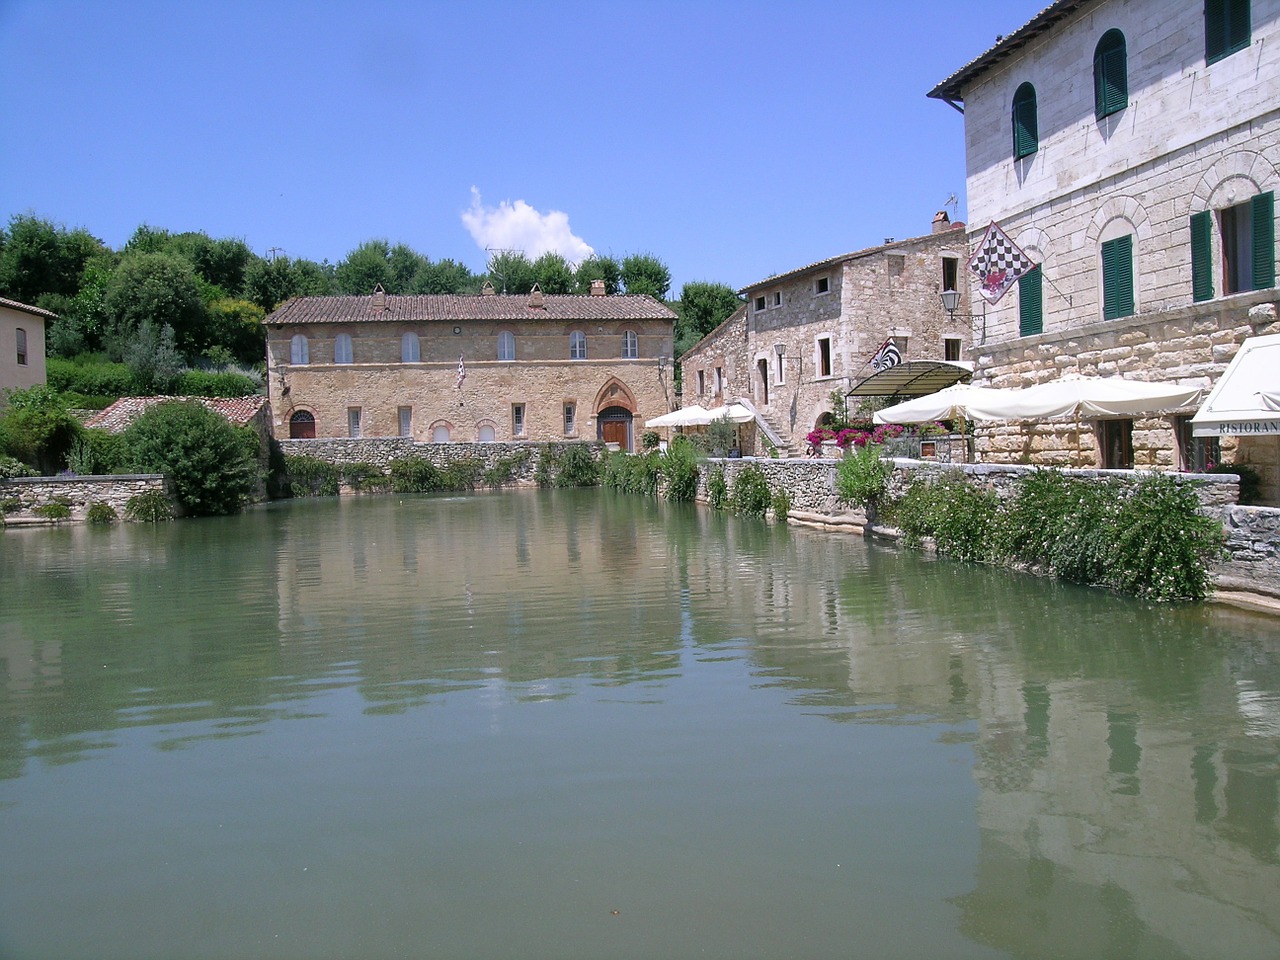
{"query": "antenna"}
(493, 254)
(954, 203)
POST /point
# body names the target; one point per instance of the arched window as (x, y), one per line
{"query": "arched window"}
(299, 349)
(487, 434)
(506, 345)
(342, 348)
(1110, 75)
(1117, 277)
(1026, 127)
(410, 348)
(302, 425)
(577, 345)
(440, 433)
(630, 345)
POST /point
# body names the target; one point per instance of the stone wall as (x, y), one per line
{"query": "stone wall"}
(1253, 542)
(78, 492)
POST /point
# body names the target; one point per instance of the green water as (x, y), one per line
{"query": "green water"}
(573, 725)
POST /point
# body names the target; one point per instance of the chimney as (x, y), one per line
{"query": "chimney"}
(487, 290)
(535, 297)
(941, 222)
(597, 288)
(379, 298)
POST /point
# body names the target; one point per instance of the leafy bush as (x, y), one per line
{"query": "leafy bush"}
(205, 383)
(649, 440)
(37, 429)
(10, 505)
(101, 513)
(505, 469)
(91, 376)
(1163, 545)
(11, 467)
(53, 511)
(751, 495)
(781, 504)
(414, 475)
(150, 507)
(210, 463)
(722, 436)
(1250, 481)
(567, 465)
(312, 477)
(717, 489)
(862, 477)
(1061, 523)
(632, 473)
(463, 474)
(954, 512)
(363, 476)
(680, 466)
(97, 453)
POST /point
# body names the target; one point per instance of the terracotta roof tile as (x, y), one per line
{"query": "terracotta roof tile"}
(114, 419)
(450, 307)
(27, 308)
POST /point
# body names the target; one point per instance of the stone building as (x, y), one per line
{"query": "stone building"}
(479, 368)
(21, 345)
(807, 333)
(1132, 149)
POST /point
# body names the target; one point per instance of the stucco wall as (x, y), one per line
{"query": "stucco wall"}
(13, 375)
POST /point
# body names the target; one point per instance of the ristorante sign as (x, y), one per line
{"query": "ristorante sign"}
(1236, 428)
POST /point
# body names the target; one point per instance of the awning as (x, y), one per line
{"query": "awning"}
(948, 404)
(1082, 397)
(915, 378)
(1245, 401)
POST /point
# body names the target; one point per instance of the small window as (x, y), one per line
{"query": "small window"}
(1030, 303)
(22, 347)
(719, 379)
(1026, 126)
(487, 433)
(824, 356)
(1195, 454)
(440, 433)
(951, 349)
(342, 348)
(1117, 278)
(630, 345)
(353, 421)
(823, 285)
(777, 298)
(1248, 245)
(1227, 28)
(506, 345)
(577, 345)
(1115, 437)
(517, 419)
(410, 348)
(1110, 75)
(406, 421)
(950, 273)
(702, 382)
(570, 427)
(760, 302)
(299, 349)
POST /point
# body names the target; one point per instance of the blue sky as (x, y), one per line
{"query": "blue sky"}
(732, 140)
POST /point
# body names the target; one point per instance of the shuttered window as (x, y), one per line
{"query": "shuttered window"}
(1030, 303)
(1026, 127)
(1227, 27)
(1110, 75)
(1263, 210)
(1202, 256)
(1117, 277)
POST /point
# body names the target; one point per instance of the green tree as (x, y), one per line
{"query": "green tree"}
(702, 308)
(40, 257)
(552, 273)
(37, 429)
(404, 265)
(444, 276)
(161, 288)
(364, 268)
(598, 268)
(236, 327)
(210, 463)
(645, 273)
(511, 273)
(269, 283)
(151, 354)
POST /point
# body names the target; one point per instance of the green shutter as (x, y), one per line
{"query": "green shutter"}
(1202, 256)
(1227, 28)
(1026, 132)
(1110, 75)
(1117, 278)
(1238, 25)
(1030, 303)
(1263, 211)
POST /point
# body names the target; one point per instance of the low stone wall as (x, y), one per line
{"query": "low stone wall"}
(1253, 542)
(76, 492)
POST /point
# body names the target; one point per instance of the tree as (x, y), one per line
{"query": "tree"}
(37, 429)
(702, 308)
(161, 288)
(235, 326)
(598, 268)
(40, 257)
(552, 273)
(269, 283)
(210, 464)
(511, 273)
(364, 268)
(445, 276)
(645, 273)
(404, 264)
(152, 356)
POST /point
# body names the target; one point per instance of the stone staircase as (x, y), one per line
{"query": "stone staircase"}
(779, 435)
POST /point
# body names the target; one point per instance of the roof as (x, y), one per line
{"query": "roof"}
(27, 308)
(457, 306)
(956, 230)
(952, 88)
(238, 410)
(915, 378)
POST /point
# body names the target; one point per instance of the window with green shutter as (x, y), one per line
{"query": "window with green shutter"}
(1030, 303)
(1202, 256)
(1110, 75)
(1248, 244)
(1263, 210)
(1026, 127)
(1227, 28)
(1117, 278)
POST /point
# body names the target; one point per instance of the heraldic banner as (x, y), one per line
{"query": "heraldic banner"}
(998, 263)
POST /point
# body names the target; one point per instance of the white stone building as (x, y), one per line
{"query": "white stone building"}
(1132, 149)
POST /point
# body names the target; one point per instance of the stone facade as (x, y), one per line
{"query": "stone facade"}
(807, 333)
(79, 493)
(1192, 138)
(536, 368)
(22, 361)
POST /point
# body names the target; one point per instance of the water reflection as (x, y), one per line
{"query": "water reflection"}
(1124, 760)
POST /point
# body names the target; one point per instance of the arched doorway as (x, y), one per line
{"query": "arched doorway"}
(613, 425)
(302, 425)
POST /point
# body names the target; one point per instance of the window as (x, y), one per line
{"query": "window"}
(630, 345)
(1026, 128)
(824, 356)
(517, 419)
(777, 298)
(440, 433)
(1116, 440)
(487, 433)
(1248, 245)
(1227, 28)
(569, 416)
(781, 378)
(342, 348)
(353, 421)
(702, 382)
(1030, 303)
(950, 273)
(410, 348)
(823, 285)
(760, 302)
(22, 347)
(1110, 75)
(299, 349)
(406, 421)
(302, 425)
(719, 379)
(506, 345)
(1117, 277)
(577, 345)
(951, 349)
(897, 264)
(1195, 454)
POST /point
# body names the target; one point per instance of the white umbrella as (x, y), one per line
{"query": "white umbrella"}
(734, 412)
(948, 404)
(1084, 397)
(684, 417)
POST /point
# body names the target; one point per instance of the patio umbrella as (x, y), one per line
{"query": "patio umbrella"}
(734, 412)
(949, 404)
(1085, 397)
(684, 417)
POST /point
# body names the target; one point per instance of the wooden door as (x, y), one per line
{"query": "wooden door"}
(614, 431)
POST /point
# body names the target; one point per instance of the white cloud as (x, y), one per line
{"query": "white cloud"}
(518, 226)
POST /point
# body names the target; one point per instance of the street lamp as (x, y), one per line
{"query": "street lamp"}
(950, 300)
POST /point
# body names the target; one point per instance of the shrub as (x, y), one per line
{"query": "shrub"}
(53, 511)
(505, 469)
(862, 477)
(150, 507)
(363, 476)
(205, 383)
(311, 477)
(10, 505)
(414, 475)
(649, 440)
(781, 505)
(722, 436)
(462, 474)
(97, 452)
(751, 492)
(567, 465)
(37, 429)
(680, 466)
(11, 467)
(632, 473)
(960, 518)
(717, 489)
(101, 513)
(1164, 547)
(91, 376)
(210, 463)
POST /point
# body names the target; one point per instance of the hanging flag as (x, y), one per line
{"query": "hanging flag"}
(998, 263)
(462, 372)
(887, 356)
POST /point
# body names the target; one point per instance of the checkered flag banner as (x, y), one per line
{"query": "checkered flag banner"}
(887, 356)
(998, 263)
(462, 372)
